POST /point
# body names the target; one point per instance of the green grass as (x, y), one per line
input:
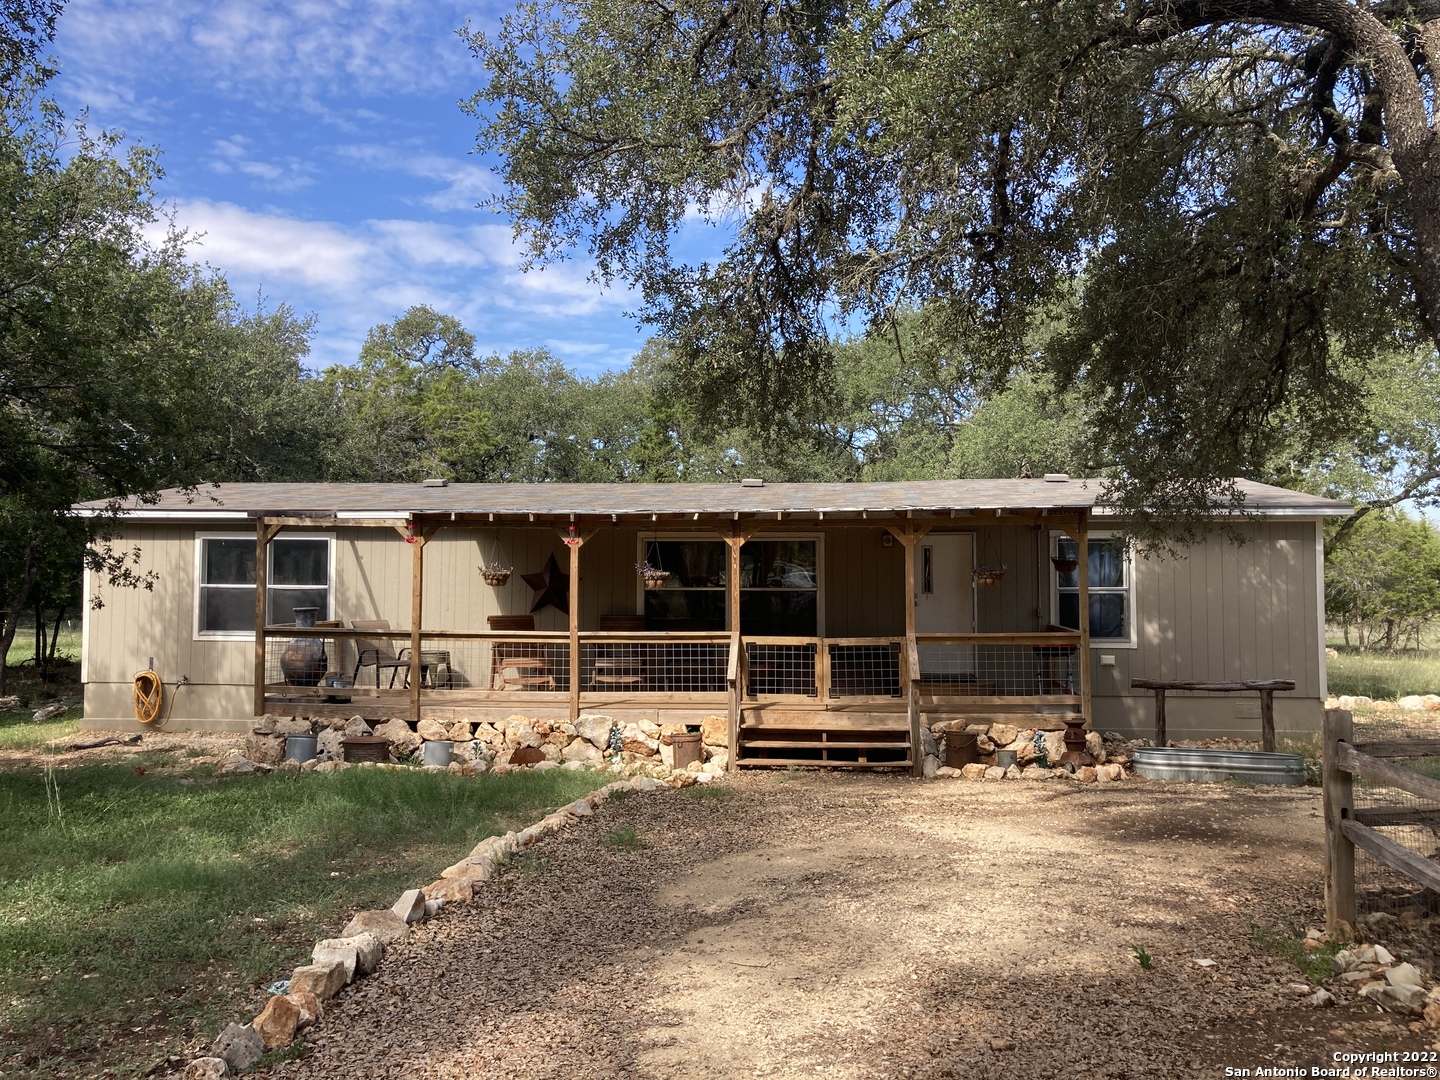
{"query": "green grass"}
(160, 902)
(1143, 957)
(1384, 676)
(22, 649)
(704, 792)
(19, 732)
(624, 839)
(1288, 942)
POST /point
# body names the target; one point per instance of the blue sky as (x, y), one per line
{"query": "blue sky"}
(319, 148)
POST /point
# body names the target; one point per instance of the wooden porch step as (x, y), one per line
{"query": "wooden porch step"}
(818, 764)
(815, 744)
(819, 719)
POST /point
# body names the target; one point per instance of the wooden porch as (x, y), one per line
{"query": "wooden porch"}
(843, 702)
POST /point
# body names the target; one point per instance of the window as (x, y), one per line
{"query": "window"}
(779, 586)
(1111, 589)
(298, 576)
(693, 596)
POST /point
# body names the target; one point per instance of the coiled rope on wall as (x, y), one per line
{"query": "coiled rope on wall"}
(150, 695)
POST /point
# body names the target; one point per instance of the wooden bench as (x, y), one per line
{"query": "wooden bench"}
(1266, 688)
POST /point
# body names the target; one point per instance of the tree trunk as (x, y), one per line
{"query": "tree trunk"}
(55, 637)
(11, 621)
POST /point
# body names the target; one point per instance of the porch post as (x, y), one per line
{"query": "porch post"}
(574, 543)
(1082, 543)
(735, 673)
(264, 533)
(912, 656)
(417, 584)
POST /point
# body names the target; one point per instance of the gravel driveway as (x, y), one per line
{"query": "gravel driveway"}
(801, 924)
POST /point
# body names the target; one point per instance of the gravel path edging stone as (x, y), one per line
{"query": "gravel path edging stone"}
(360, 948)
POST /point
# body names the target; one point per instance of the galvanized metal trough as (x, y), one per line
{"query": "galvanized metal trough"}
(1246, 766)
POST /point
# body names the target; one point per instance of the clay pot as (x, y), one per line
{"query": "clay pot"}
(303, 662)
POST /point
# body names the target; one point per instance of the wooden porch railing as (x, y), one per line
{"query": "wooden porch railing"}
(705, 669)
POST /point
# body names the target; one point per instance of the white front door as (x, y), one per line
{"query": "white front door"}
(945, 601)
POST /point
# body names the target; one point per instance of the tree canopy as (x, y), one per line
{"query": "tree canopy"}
(1205, 217)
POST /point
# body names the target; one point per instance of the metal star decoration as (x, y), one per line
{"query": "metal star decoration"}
(551, 587)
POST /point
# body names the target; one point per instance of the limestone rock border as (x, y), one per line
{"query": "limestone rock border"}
(360, 947)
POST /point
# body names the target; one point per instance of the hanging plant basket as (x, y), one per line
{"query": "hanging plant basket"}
(651, 575)
(495, 575)
(1065, 566)
(984, 575)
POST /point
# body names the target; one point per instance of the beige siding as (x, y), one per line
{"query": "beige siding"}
(1226, 612)
(1220, 612)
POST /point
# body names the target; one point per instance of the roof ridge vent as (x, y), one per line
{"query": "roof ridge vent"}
(435, 481)
(752, 481)
(1057, 477)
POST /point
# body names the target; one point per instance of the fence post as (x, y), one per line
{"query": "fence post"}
(1338, 805)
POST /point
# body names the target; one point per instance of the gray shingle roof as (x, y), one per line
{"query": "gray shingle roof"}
(587, 500)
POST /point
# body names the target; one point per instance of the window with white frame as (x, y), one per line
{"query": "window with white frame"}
(298, 575)
(1111, 584)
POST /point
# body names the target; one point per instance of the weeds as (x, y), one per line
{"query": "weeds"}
(709, 791)
(532, 866)
(624, 839)
(1143, 957)
(178, 892)
(1288, 943)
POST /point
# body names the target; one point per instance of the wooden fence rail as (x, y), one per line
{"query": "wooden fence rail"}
(1347, 828)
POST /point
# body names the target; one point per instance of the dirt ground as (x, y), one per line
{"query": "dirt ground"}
(801, 924)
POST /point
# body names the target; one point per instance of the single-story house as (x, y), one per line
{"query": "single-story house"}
(825, 622)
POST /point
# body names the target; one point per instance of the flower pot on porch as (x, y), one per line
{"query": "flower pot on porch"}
(655, 580)
(1065, 566)
(494, 575)
(303, 662)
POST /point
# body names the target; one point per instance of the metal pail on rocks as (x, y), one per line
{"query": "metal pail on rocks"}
(687, 748)
(299, 747)
(437, 752)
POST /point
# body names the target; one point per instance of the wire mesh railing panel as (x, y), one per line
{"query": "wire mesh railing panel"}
(978, 670)
(652, 667)
(509, 665)
(865, 670)
(1398, 815)
(780, 670)
(382, 664)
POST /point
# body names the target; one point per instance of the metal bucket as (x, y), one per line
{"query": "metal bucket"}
(687, 748)
(299, 747)
(367, 748)
(960, 749)
(1246, 766)
(438, 752)
(1006, 758)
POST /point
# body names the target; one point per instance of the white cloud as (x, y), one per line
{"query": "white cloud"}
(234, 155)
(271, 49)
(466, 183)
(273, 247)
(357, 276)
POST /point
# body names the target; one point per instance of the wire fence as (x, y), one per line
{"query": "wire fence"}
(997, 670)
(781, 670)
(864, 670)
(1400, 816)
(647, 667)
